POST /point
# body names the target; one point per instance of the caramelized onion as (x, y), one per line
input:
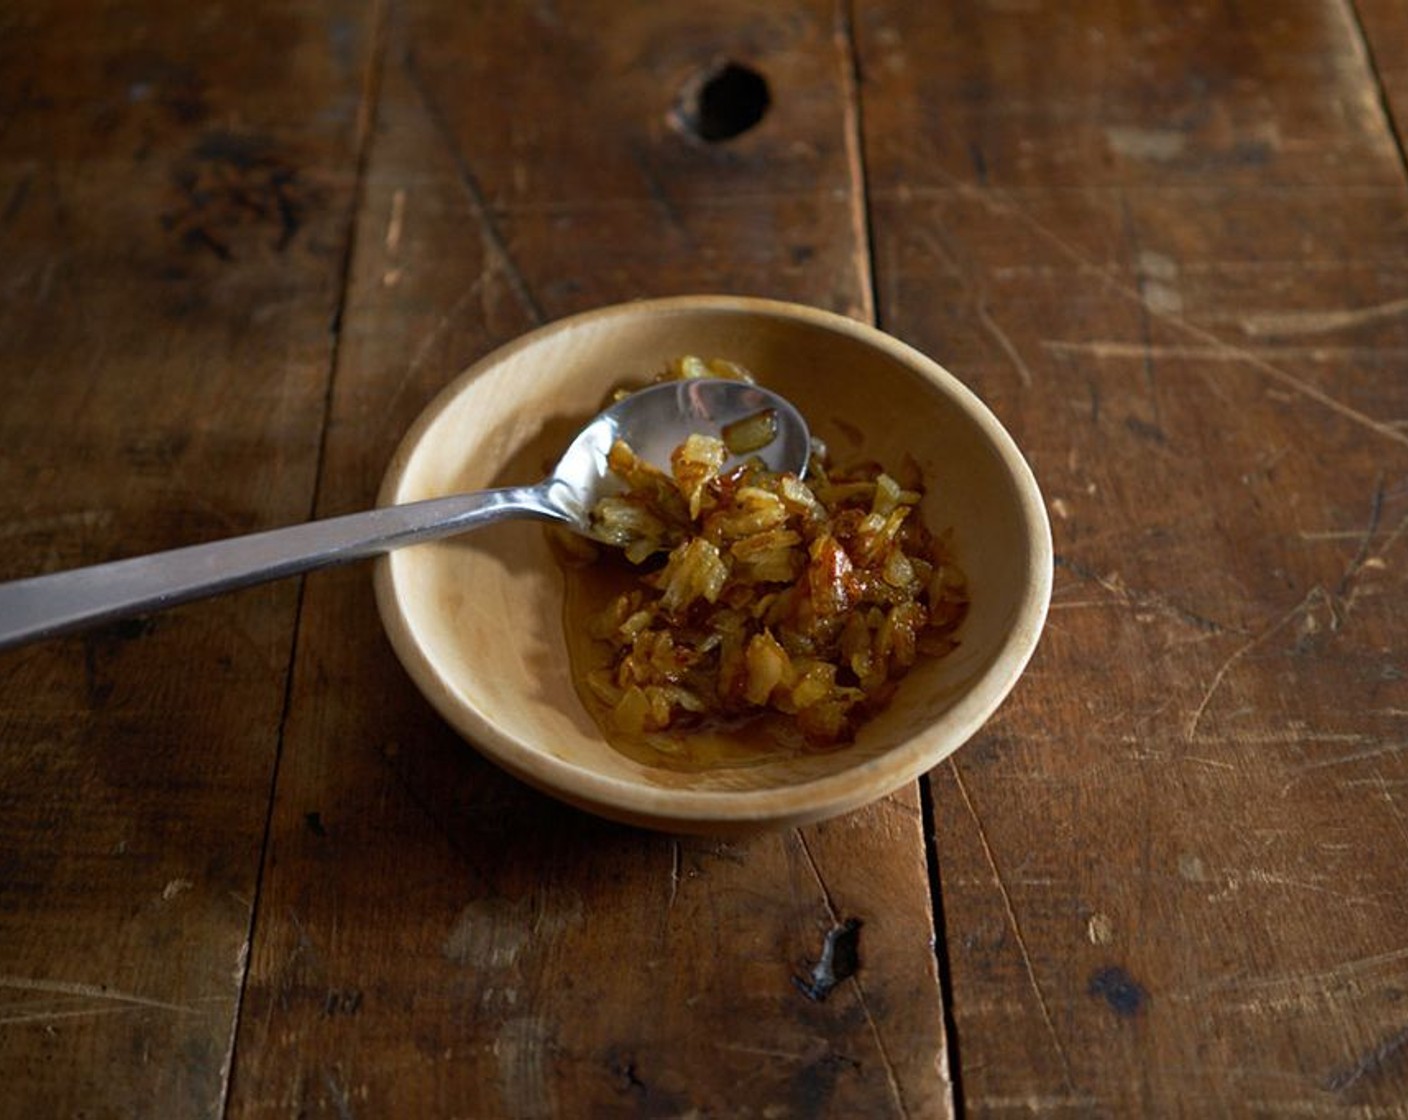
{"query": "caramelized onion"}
(795, 598)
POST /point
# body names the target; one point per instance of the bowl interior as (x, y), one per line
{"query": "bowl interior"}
(478, 620)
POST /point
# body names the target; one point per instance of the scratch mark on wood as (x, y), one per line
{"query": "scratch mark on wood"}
(658, 194)
(1010, 913)
(1344, 592)
(1277, 736)
(396, 221)
(429, 341)
(978, 293)
(1319, 535)
(1003, 340)
(437, 332)
(479, 204)
(1284, 1106)
(1211, 763)
(1399, 531)
(1114, 349)
(895, 805)
(1142, 600)
(988, 200)
(1392, 804)
(341, 1099)
(47, 1011)
(1298, 988)
(1370, 1064)
(1260, 324)
(1035, 1103)
(175, 887)
(816, 874)
(891, 1077)
(303, 955)
(1377, 751)
(88, 991)
(675, 856)
(765, 1052)
(52, 1016)
(1087, 604)
(1235, 880)
(1190, 733)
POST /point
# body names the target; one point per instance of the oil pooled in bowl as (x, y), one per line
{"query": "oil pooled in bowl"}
(713, 743)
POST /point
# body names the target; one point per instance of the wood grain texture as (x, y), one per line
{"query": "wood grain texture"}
(1168, 247)
(241, 247)
(433, 938)
(175, 197)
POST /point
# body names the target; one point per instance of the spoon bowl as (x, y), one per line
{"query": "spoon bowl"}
(656, 420)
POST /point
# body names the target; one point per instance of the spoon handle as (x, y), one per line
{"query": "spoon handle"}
(45, 606)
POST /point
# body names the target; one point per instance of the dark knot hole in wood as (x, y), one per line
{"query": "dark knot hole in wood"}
(723, 102)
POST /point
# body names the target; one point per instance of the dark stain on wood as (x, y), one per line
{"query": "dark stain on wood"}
(1145, 430)
(15, 202)
(238, 191)
(624, 1075)
(813, 1088)
(1122, 993)
(100, 646)
(342, 1001)
(631, 1082)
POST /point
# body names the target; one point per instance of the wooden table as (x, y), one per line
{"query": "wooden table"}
(244, 870)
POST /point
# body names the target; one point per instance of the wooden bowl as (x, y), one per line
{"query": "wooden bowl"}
(477, 621)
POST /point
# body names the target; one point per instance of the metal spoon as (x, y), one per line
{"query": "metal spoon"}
(654, 421)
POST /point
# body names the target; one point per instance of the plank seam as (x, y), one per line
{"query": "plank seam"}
(853, 126)
(942, 956)
(365, 128)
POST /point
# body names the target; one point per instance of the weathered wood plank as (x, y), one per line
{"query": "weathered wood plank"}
(433, 938)
(175, 187)
(1169, 248)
